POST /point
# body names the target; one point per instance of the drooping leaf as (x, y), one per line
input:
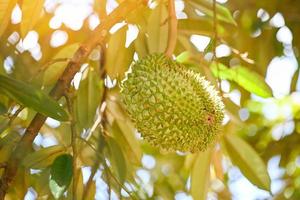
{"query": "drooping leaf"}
(248, 79)
(200, 175)
(31, 12)
(6, 7)
(140, 45)
(117, 159)
(92, 191)
(88, 99)
(118, 57)
(123, 130)
(60, 175)
(43, 157)
(31, 97)
(248, 161)
(157, 29)
(80, 185)
(295, 81)
(206, 6)
(53, 71)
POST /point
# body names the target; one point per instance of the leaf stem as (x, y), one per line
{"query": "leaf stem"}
(70, 103)
(172, 32)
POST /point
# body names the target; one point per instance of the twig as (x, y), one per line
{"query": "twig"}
(109, 171)
(70, 100)
(60, 88)
(3, 165)
(14, 116)
(99, 122)
(215, 27)
(107, 181)
(172, 32)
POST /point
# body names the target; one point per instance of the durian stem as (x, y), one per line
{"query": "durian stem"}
(216, 37)
(172, 32)
(62, 85)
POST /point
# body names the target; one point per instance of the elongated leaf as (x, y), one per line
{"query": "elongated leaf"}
(140, 45)
(248, 161)
(6, 7)
(117, 159)
(158, 29)
(206, 6)
(43, 157)
(249, 80)
(88, 99)
(201, 175)
(118, 57)
(124, 131)
(60, 175)
(92, 191)
(53, 72)
(31, 97)
(80, 185)
(31, 12)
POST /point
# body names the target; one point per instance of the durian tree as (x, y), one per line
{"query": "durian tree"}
(149, 99)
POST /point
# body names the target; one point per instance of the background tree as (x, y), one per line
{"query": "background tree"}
(64, 132)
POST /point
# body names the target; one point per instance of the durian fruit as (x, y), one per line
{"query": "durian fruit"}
(172, 107)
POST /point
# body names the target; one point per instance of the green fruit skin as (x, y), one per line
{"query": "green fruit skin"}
(172, 107)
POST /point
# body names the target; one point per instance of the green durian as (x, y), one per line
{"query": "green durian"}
(173, 108)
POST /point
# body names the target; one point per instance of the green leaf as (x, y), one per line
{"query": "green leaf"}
(118, 57)
(6, 7)
(88, 99)
(117, 159)
(248, 161)
(185, 57)
(31, 97)
(31, 12)
(53, 71)
(200, 176)
(249, 80)
(157, 29)
(124, 132)
(61, 173)
(43, 157)
(206, 6)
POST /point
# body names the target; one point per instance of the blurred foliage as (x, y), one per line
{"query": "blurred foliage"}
(259, 128)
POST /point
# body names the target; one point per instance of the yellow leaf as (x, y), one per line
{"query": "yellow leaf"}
(248, 161)
(158, 29)
(31, 12)
(53, 72)
(43, 157)
(200, 175)
(6, 7)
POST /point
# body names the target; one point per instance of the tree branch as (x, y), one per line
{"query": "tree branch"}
(172, 32)
(60, 88)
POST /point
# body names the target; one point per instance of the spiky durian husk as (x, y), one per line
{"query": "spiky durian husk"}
(173, 108)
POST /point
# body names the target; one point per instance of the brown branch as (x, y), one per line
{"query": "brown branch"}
(60, 88)
(172, 32)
